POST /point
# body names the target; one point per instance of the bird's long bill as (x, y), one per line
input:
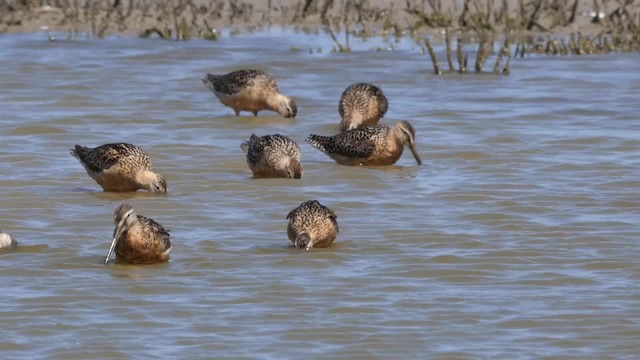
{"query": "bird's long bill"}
(415, 153)
(116, 235)
(113, 246)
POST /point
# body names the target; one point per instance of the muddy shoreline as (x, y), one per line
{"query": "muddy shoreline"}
(550, 27)
(184, 19)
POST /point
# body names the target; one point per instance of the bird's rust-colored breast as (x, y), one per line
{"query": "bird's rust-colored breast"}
(144, 242)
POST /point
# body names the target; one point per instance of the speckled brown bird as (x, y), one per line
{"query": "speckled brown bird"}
(370, 145)
(138, 239)
(6, 240)
(273, 156)
(250, 90)
(360, 105)
(312, 225)
(120, 167)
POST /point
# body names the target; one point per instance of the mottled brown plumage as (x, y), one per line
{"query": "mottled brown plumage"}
(6, 240)
(250, 90)
(138, 239)
(370, 145)
(360, 105)
(273, 156)
(312, 225)
(120, 167)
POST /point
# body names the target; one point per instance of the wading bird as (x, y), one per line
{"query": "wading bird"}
(273, 156)
(371, 145)
(138, 239)
(360, 105)
(250, 90)
(312, 225)
(120, 167)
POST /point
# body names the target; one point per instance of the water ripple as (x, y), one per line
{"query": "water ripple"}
(516, 239)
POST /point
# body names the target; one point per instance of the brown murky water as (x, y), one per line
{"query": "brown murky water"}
(518, 238)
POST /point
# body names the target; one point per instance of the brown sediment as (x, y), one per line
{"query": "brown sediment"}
(186, 17)
(620, 32)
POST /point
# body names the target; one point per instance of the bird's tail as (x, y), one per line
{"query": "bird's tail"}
(208, 80)
(246, 145)
(80, 152)
(319, 142)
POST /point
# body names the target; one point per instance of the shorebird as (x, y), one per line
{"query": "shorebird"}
(138, 239)
(6, 240)
(250, 90)
(120, 167)
(360, 105)
(273, 156)
(312, 225)
(370, 145)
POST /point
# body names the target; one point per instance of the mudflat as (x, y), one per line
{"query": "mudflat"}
(182, 19)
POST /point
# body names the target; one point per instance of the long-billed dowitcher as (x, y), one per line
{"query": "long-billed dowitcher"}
(250, 90)
(6, 240)
(360, 105)
(312, 225)
(273, 156)
(120, 167)
(138, 239)
(370, 145)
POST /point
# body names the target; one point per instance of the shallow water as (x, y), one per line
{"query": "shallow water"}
(516, 239)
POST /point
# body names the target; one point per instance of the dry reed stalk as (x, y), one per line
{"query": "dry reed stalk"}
(506, 70)
(501, 52)
(482, 55)
(447, 38)
(332, 33)
(462, 59)
(328, 4)
(434, 59)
